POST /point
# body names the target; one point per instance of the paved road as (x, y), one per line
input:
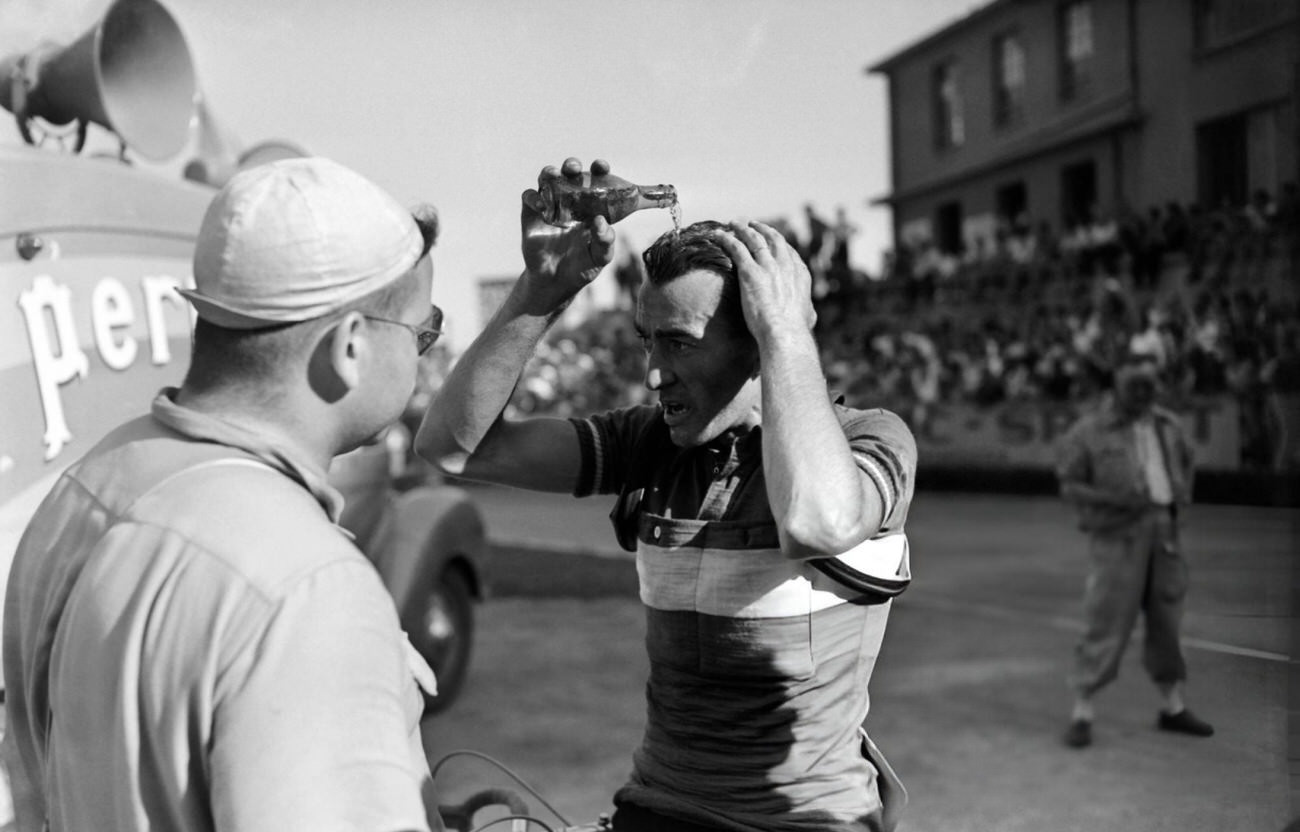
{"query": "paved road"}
(968, 699)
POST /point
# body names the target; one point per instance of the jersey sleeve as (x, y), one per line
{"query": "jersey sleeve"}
(883, 447)
(311, 728)
(608, 442)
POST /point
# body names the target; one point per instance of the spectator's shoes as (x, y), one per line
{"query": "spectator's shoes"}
(1079, 734)
(1185, 722)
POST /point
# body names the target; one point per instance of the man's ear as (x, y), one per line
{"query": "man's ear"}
(335, 367)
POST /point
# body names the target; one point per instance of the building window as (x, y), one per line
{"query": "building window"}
(949, 122)
(1221, 22)
(1076, 49)
(1008, 79)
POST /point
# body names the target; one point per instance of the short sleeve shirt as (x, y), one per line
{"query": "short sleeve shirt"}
(759, 664)
(192, 644)
(632, 446)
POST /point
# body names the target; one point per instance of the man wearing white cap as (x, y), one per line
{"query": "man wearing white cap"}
(1128, 469)
(190, 641)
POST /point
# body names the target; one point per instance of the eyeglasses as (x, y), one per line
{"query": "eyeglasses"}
(425, 336)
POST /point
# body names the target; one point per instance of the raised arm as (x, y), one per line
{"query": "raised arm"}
(463, 432)
(823, 503)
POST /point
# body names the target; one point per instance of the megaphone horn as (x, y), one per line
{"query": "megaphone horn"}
(131, 73)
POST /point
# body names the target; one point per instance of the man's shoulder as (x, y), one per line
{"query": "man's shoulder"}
(1167, 416)
(873, 421)
(848, 413)
(638, 426)
(1093, 418)
(641, 416)
(265, 527)
(119, 444)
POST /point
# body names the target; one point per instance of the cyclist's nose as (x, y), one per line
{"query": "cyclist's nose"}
(656, 377)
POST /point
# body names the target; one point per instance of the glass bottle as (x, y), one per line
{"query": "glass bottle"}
(565, 201)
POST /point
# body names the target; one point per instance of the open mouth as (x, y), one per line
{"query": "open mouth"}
(673, 411)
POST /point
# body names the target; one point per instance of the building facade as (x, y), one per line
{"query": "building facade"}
(1059, 110)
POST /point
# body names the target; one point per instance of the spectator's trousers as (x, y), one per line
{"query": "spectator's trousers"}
(1136, 568)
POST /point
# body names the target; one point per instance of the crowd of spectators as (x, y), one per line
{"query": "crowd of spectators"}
(593, 366)
(1236, 343)
(1214, 246)
(1042, 317)
(1030, 316)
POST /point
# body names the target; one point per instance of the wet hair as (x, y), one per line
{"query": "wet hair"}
(696, 248)
(222, 355)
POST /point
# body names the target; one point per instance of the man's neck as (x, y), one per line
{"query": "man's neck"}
(281, 426)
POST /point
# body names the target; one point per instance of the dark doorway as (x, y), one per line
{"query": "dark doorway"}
(1012, 201)
(947, 225)
(1078, 192)
(1222, 166)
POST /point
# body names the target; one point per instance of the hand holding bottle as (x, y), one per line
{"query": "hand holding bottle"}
(570, 196)
(559, 260)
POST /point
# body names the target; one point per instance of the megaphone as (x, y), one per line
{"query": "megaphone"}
(131, 73)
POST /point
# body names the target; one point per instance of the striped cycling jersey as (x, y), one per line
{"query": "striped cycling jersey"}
(759, 664)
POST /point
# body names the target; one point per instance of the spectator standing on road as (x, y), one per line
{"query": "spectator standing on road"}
(735, 492)
(1128, 469)
(190, 641)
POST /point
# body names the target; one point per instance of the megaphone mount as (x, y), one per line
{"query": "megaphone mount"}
(18, 84)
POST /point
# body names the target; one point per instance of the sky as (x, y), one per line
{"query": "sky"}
(751, 108)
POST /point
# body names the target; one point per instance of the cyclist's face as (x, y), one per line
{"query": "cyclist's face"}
(705, 373)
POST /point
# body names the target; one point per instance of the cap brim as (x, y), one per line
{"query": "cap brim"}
(222, 315)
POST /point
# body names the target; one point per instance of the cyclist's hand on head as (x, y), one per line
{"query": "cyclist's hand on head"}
(775, 284)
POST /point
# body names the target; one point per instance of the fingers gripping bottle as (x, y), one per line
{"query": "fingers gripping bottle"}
(565, 201)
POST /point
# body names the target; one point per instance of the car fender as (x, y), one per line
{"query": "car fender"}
(427, 529)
